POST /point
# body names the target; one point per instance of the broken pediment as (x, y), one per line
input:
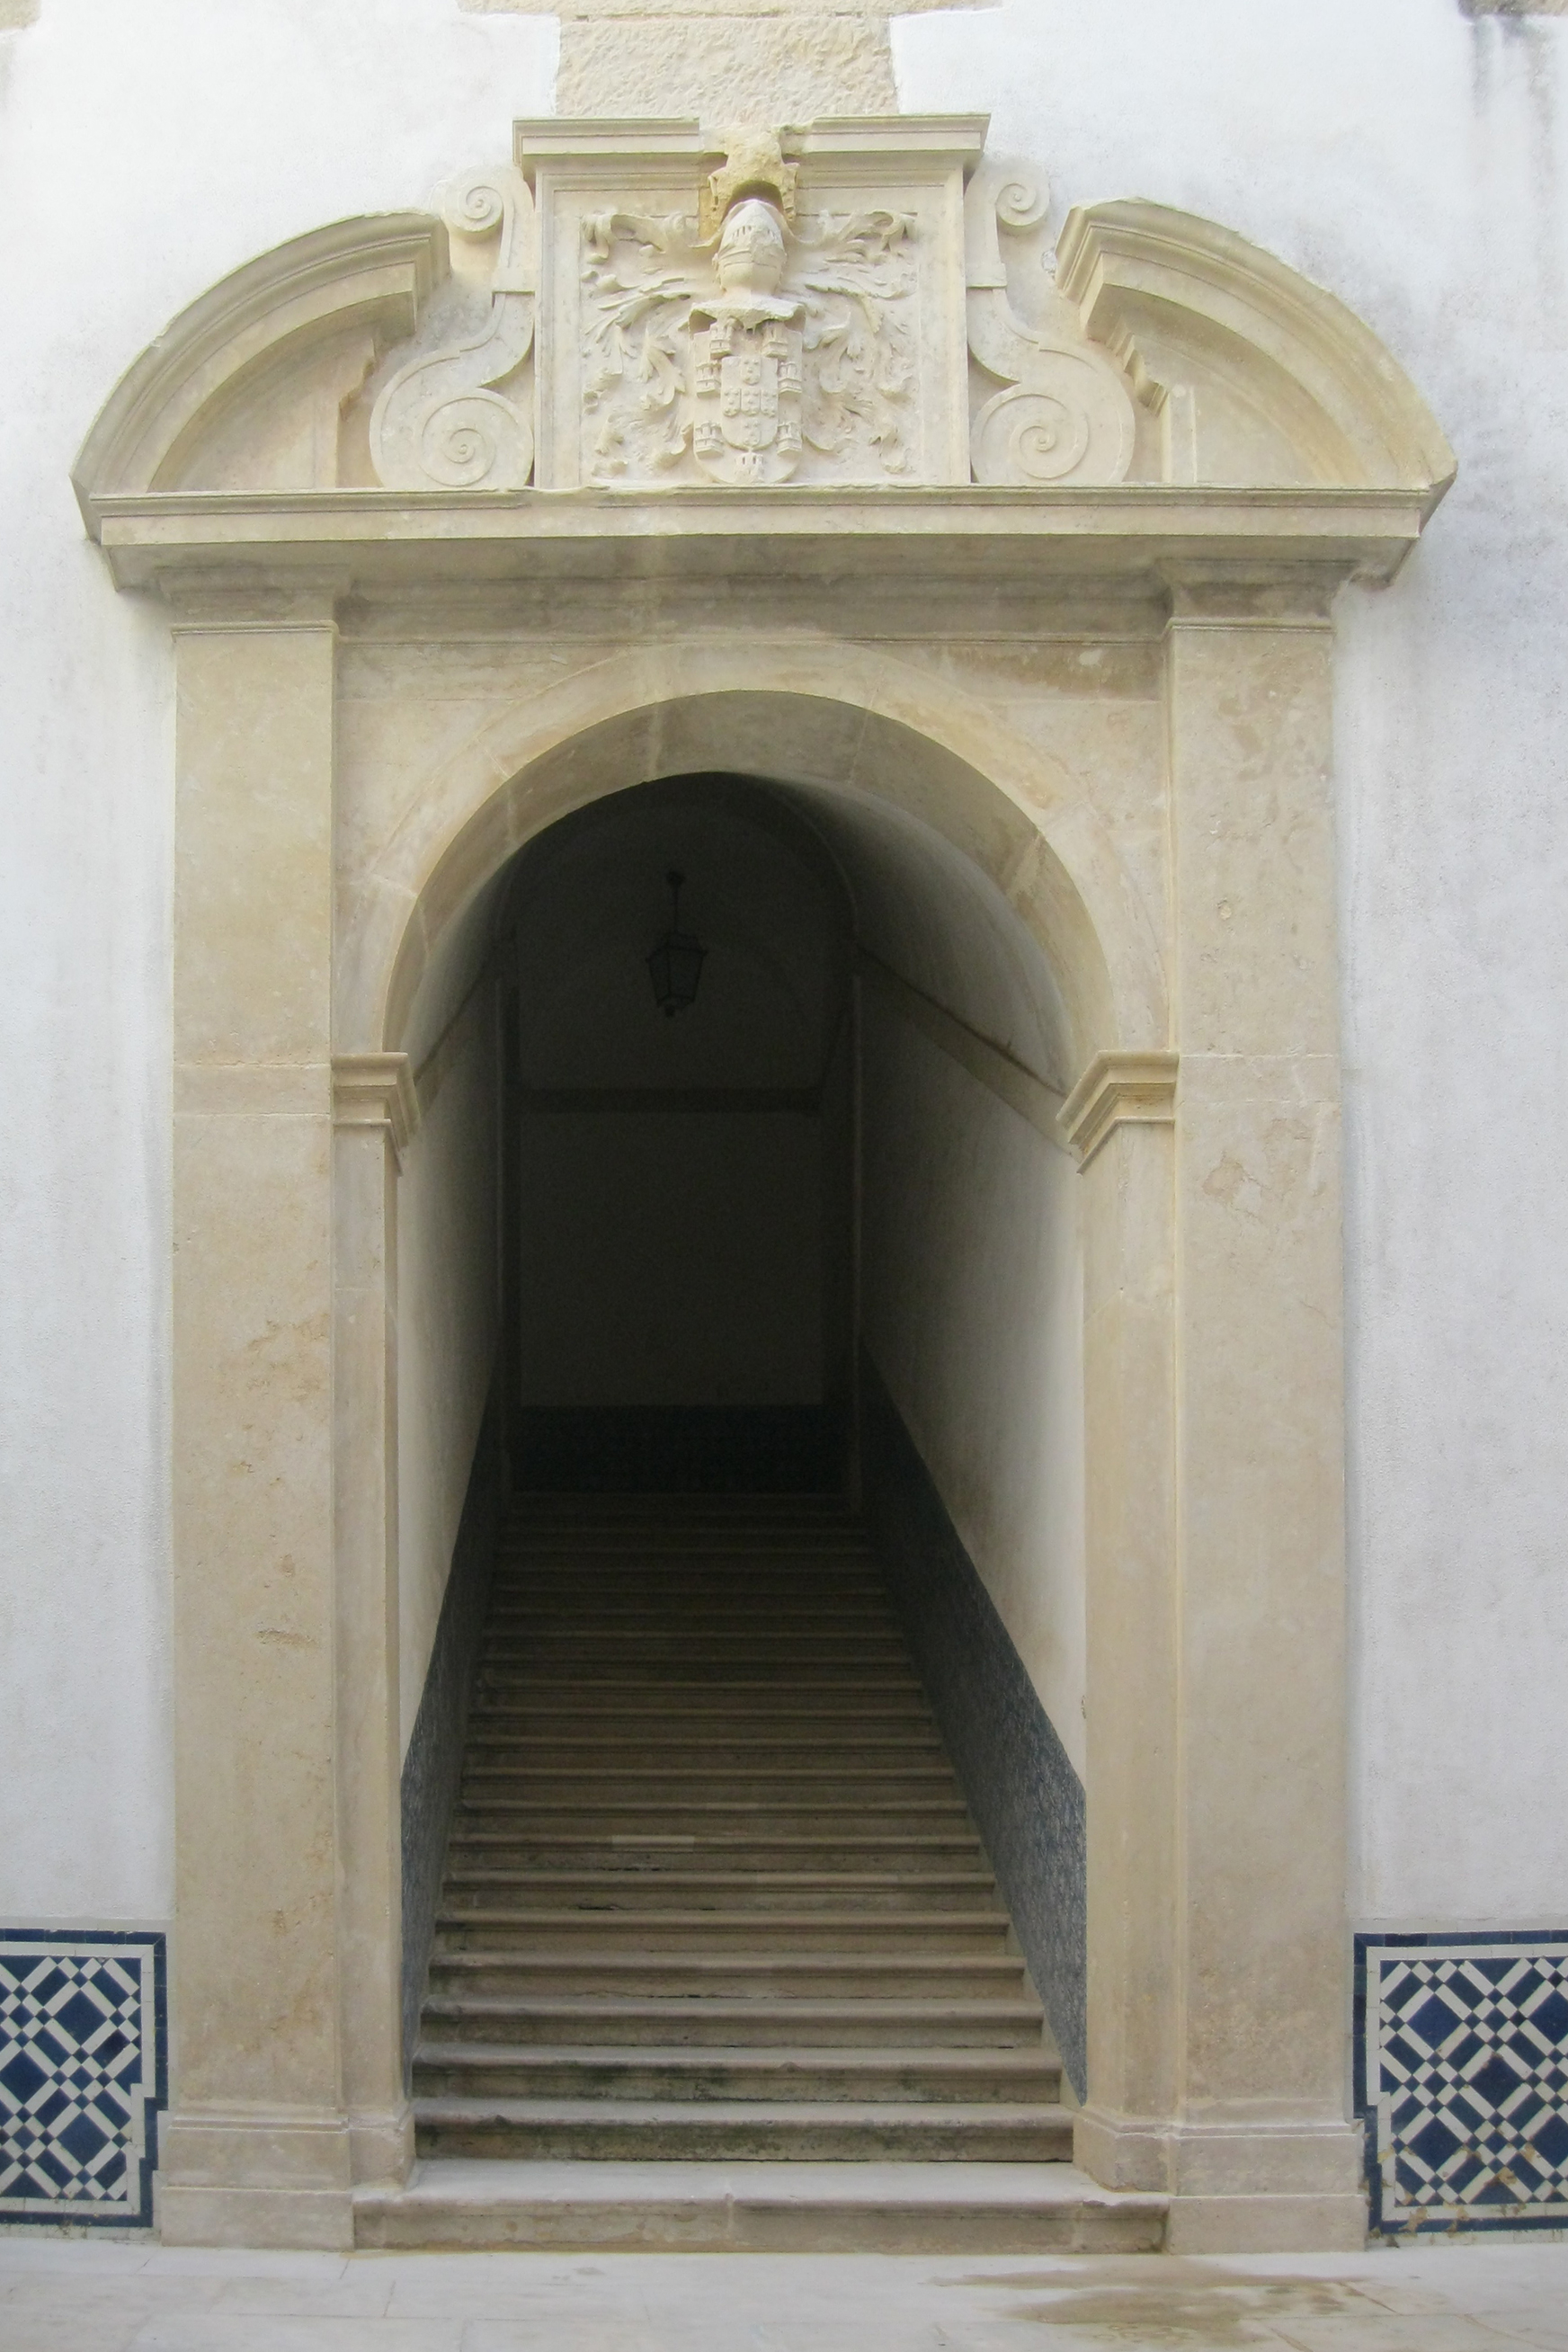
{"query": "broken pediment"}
(857, 304)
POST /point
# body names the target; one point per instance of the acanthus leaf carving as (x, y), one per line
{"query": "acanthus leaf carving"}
(1066, 413)
(451, 419)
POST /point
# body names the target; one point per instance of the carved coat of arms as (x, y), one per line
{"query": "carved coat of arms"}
(733, 357)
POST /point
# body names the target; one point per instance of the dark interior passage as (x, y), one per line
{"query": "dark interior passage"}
(681, 1193)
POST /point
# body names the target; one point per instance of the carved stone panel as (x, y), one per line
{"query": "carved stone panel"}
(790, 310)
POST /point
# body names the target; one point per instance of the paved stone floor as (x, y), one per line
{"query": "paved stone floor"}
(75, 2296)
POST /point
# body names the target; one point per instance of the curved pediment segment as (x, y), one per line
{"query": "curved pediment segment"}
(1257, 376)
(245, 390)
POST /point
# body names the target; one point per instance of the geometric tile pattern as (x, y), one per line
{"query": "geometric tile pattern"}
(1461, 2069)
(83, 2068)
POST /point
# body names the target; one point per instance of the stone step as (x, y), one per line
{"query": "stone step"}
(706, 1620)
(583, 1654)
(784, 2073)
(522, 1847)
(657, 1783)
(807, 1529)
(738, 2208)
(672, 1677)
(815, 1817)
(699, 1711)
(653, 1887)
(739, 1563)
(734, 1564)
(672, 1658)
(712, 1893)
(997, 2024)
(590, 2130)
(717, 1750)
(756, 1609)
(723, 1584)
(900, 1934)
(764, 1976)
(551, 1618)
(779, 1549)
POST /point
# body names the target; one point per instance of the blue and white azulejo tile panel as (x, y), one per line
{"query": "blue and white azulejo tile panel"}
(1462, 2066)
(82, 2074)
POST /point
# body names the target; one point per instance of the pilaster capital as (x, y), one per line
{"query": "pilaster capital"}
(1252, 595)
(264, 597)
(376, 1090)
(1119, 1089)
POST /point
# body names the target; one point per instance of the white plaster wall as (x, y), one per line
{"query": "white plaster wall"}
(146, 148)
(1416, 164)
(972, 1306)
(1406, 158)
(448, 1320)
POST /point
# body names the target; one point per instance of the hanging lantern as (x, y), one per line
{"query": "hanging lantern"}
(675, 967)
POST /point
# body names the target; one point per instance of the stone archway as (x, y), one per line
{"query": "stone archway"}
(1114, 699)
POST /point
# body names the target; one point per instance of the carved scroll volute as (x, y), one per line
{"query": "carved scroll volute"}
(457, 419)
(1066, 413)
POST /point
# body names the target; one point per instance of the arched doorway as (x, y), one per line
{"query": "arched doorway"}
(820, 1235)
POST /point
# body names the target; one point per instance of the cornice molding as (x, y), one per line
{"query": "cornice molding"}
(385, 539)
(1119, 1089)
(376, 1090)
(890, 143)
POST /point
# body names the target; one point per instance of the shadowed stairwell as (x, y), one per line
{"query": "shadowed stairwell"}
(713, 1899)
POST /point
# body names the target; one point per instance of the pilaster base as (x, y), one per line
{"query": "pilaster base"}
(1266, 2225)
(1263, 2186)
(381, 2147)
(256, 2176)
(314, 2220)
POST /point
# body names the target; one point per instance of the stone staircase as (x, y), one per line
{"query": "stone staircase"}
(714, 1909)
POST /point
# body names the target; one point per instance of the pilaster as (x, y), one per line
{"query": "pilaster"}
(1120, 1119)
(255, 2146)
(376, 1112)
(1248, 2132)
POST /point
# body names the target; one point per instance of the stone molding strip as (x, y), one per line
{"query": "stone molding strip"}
(376, 1090)
(450, 1045)
(1119, 1089)
(1032, 1098)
